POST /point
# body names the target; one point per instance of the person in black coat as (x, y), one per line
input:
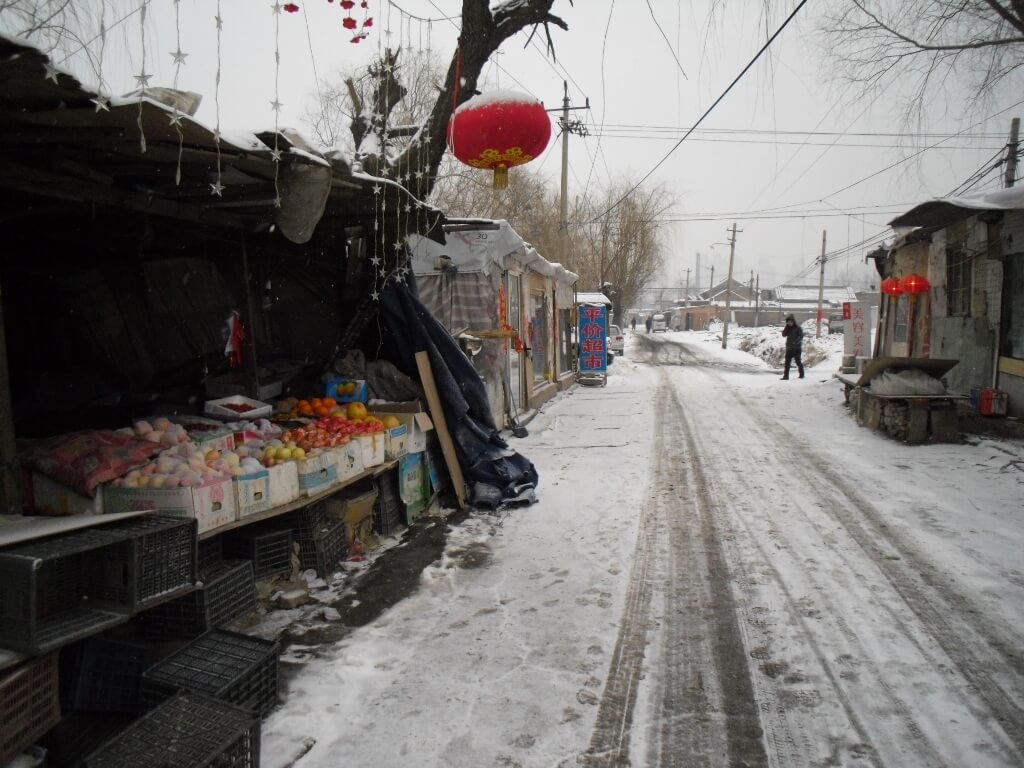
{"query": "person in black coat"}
(794, 346)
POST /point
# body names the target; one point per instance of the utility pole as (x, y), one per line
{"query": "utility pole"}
(821, 286)
(757, 300)
(697, 275)
(711, 287)
(1011, 154)
(728, 286)
(567, 126)
(686, 296)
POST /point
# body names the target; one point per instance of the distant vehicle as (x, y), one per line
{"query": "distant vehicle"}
(659, 323)
(616, 340)
(836, 324)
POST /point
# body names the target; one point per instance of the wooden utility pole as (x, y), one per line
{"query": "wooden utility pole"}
(757, 300)
(579, 129)
(1011, 154)
(821, 286)
(686, 296)
(728, 286)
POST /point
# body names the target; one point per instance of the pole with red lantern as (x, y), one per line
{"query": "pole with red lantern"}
(499, 130)
(912, 285)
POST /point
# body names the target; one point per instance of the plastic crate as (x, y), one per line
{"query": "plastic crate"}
(269, 551)
(324, 553)
(58, 590)
(226, 593)
(211, 554)
(163, 559)
(387, 516)
(29, 704)
(226, 665)
(80, 733)
(989, 402)
(310, 522)
(99, 675)
(186, 731)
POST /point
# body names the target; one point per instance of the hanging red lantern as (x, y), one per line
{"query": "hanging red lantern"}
(499, 130)
(914, 284)
(891, 286)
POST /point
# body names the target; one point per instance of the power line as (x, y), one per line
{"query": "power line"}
(617, 135)
(708, 111)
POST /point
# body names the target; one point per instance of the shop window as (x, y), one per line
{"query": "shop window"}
(902, 315)
(958, 281)
(538, 340)
(1013, 307)
(565, 340)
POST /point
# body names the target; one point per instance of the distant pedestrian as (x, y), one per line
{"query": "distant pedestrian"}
(632, 323)
(794, 346)
(650, 323)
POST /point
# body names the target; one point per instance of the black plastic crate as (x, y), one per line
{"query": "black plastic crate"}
(186, 731)
(211, 553)
(163, 560)
(236, 668)
(227, 592)
(269, 550)
(52, 592)
(310, 522)
(387, 516)
(324, 553)
(387, 487)
(29, 704)
(80, 733)
(100, 675)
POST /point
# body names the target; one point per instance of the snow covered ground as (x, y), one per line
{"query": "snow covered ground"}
(712, 546)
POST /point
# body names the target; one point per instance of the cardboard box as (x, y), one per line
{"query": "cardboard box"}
(284, 483)
(350, 460)
(48, 497)
(318, 473)
(208, 434)
(351, 509)
(372, 447)
(413, 484)
(256, 408)
(412, 415)
(212, 505)
(252, 493)
(396, 442)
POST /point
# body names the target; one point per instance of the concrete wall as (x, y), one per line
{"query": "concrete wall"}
(969, 340)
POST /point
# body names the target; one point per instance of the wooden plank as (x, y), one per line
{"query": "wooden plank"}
(1011, 365)
(302, 501)
(441, 426)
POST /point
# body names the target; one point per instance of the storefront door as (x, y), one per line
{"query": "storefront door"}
(538, 341)
(515, 358)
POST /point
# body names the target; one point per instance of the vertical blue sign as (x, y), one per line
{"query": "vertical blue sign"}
(593, 338)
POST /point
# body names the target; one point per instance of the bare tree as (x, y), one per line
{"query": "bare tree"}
(929, 44)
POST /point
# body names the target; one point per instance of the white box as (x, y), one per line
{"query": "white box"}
(350, 460)
(411, 415)
(212, 505)
(48, 497)
(372, 447)
(284, 483)
(252, 493)
(317, 473)
(396, 442)
(257, 408)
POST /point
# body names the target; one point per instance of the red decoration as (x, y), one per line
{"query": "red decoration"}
(914, 284)
(365, 4)
(291, 7)
(368, 22)
(349, 22)
(498, 131)
(891, 286)
(348, 5)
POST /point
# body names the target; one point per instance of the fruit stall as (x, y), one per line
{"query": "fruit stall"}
(174, 433)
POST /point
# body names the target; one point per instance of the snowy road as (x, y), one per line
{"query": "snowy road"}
(723, 570)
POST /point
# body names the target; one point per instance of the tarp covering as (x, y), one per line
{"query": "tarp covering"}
(462, 300)
(495, 473)
(949, 209)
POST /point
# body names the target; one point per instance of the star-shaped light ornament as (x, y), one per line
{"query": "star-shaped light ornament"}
(376, 189)
(51, 71)
(275, 155)
(408, 207)
(175, 118)
(277, 201)
(217, 188)
(375, 295)
(143, 79)
(419, 174)
(220, 22)
(375, 261)
(397, 247)
(178, 56)
(102, 103)
(277, 8)
(276, 105)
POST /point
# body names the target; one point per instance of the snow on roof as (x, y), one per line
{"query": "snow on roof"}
(497, 96)
(948, 209)
(586, 297)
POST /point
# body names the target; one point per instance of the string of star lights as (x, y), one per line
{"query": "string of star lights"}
(143, 77)
(102, 101)
(217, 188)
(276, 103)
(178, 56)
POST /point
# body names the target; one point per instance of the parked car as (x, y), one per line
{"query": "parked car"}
(659, 323)
(616, 340)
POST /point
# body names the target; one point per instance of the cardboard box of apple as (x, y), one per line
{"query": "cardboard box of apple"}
(324, 433)
(190, 466)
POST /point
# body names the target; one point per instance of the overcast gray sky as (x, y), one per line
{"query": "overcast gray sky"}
(753, 158)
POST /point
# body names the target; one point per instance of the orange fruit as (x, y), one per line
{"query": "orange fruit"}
(355, 410)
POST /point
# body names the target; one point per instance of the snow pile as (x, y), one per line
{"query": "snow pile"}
(769, 344)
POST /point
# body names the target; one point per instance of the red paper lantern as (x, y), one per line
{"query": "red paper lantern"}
(499, 130)
(914, 284)
(891, 286)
